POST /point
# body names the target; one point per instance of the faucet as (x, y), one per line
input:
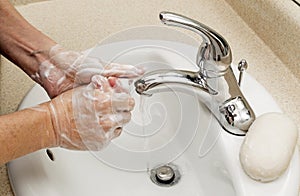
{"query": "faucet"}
(214, 82)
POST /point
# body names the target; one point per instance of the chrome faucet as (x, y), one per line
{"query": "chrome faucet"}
(214, 82)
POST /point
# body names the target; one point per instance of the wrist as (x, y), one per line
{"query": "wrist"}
(42, 53)
(59, 112)
(51, 124)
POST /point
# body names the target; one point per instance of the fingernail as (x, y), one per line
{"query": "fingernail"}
(112, 81)
(97, 81)
(118, 131)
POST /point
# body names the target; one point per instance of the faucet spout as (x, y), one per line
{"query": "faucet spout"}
(158, 81)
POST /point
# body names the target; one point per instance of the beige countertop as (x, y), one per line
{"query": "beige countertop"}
(80, 24)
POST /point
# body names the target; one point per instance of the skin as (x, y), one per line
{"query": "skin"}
(36, 128)
(33, 129)
(19, 40)
(20, 135)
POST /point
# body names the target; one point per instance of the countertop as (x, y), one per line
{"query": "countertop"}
(80, 24)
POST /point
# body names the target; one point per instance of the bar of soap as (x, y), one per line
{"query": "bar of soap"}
(268, 146)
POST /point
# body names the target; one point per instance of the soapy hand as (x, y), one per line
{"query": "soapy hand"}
(65, 70)
(88, 117)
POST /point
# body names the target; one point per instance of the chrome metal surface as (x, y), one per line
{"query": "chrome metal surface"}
(215, 83)
(214, 55)
(146, 84)
(242, 66)
(165, 175)
(236, 113)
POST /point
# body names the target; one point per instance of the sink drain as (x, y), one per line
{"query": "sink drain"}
(165, 175)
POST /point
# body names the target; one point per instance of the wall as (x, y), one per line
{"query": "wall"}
(278, 27)
(24, 2)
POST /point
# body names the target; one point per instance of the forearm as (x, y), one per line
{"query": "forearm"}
(19, 40)
(25, 131)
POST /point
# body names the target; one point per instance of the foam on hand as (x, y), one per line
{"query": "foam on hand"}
(268, 146)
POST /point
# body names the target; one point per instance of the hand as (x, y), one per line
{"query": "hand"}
(88, 117)
(68, 69)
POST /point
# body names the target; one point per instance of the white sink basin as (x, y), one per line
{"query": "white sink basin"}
(179, 129)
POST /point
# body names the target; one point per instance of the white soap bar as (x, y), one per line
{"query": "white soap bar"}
(268, 146)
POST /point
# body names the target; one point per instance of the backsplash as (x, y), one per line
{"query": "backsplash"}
(277, 23)
(24, 2)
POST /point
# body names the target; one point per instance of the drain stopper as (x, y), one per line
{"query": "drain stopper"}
(165, 174)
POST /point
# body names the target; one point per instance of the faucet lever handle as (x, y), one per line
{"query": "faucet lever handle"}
(214, 56)
(242, 66)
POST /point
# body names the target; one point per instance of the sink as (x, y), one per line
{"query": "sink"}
(166, 128)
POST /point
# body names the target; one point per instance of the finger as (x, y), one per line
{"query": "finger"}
(113, 134)
(112, 121)
(117, 132)
(120, 70)
(55, 50)
(84, 76)
(89, 62)
(112, 81)
(120, 73)
(117, 85)
(122, 102)
(101, 82)
(64, 59)
(106, 103)
(105, 85)
(96, 82)
(86, 69)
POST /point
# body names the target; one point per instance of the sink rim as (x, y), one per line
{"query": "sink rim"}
(242, 189)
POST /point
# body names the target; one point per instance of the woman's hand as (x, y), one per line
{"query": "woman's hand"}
(88, 117)
(65, 70)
